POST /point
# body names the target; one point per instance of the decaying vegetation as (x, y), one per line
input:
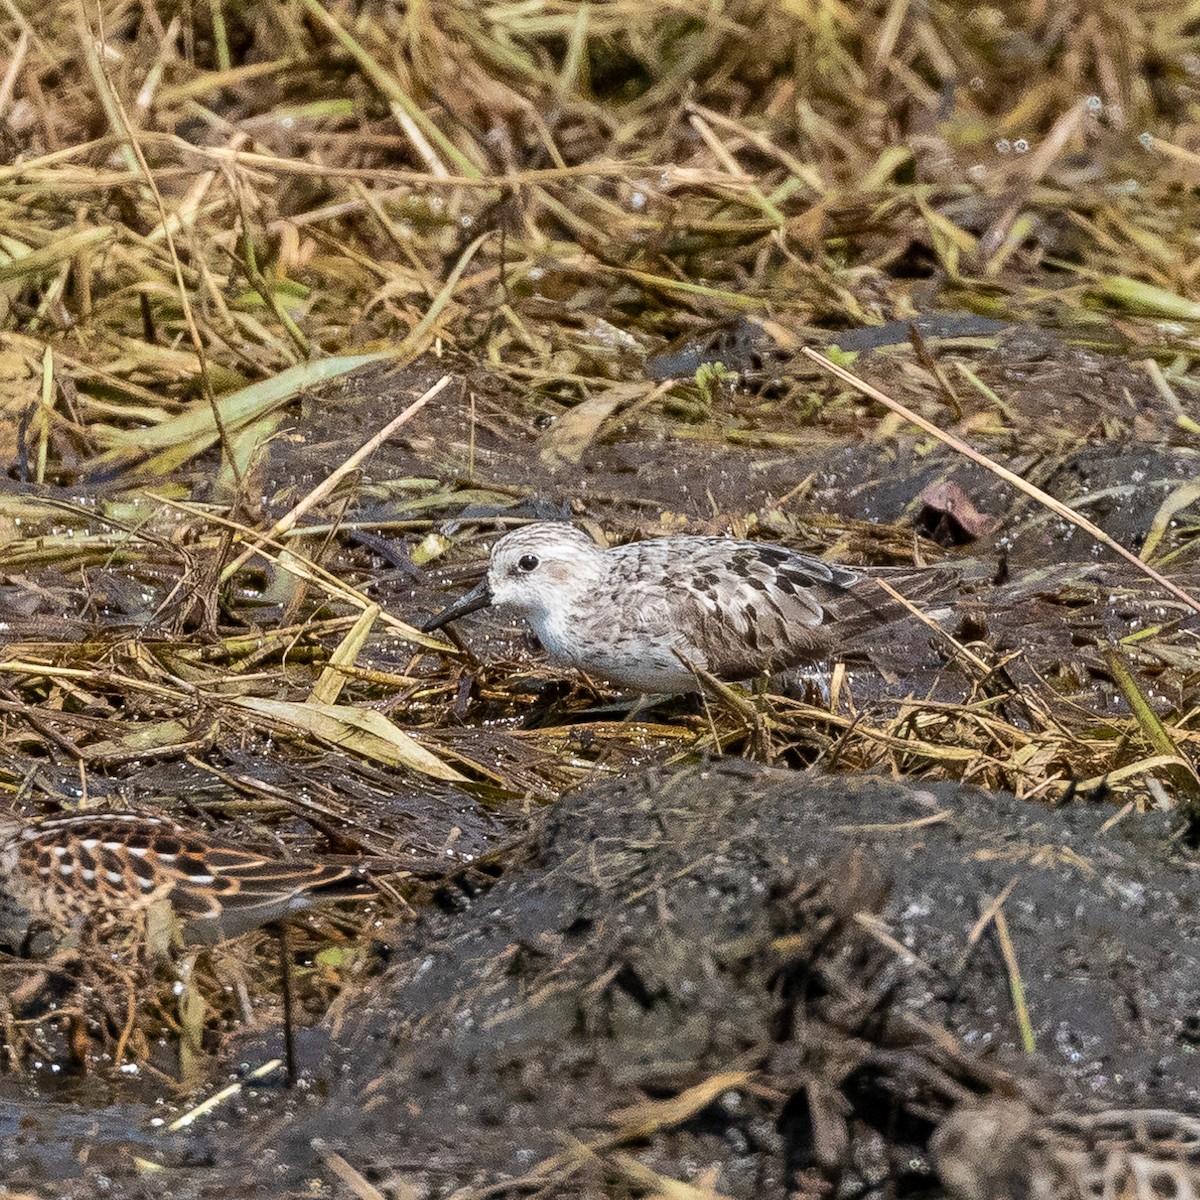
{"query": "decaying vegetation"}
(237, 241)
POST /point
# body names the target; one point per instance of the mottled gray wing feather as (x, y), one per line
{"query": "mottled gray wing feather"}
(735, 608)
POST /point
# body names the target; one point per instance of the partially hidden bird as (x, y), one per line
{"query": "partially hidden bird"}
(61, 873)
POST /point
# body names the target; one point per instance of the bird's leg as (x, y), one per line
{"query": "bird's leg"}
(811, 684)
(287, 995)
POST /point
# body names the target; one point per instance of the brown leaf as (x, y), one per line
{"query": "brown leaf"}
(945, 507)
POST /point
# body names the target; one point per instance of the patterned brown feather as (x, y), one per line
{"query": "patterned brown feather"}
(61, 873)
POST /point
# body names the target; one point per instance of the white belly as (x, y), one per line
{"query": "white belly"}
(627, 658)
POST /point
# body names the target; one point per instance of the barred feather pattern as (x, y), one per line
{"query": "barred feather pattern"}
(999, 1149)
(64, 872)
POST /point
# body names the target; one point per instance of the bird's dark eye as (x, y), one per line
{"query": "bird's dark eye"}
(527, 562)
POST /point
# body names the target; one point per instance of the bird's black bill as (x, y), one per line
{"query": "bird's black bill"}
(472, 601)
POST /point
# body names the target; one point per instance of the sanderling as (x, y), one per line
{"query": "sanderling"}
(60, 873)
(643, 615)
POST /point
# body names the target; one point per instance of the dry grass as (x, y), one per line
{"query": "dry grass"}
(199, 199)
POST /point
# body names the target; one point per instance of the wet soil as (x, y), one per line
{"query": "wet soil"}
(804, 942)
(758, 980)
(812, 934)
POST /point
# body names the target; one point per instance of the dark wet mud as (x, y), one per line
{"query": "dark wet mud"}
(753, 979)
(801, 977)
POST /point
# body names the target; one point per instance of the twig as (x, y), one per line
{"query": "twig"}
(224, 1094)
(334, 478)
(362, 1187)
(1015, 983)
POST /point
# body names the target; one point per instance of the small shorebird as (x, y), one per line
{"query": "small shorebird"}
(643, 615)
(999, 1148)
(60, 873)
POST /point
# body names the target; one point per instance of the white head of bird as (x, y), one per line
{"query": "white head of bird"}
(541, 571)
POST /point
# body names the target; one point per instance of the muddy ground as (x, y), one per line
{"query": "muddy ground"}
(750, 980)
(807, 941)
(779, 968)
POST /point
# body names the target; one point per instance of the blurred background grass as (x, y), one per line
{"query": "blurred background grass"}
(196, 197)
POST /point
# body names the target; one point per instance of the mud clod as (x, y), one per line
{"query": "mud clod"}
(774, 982)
